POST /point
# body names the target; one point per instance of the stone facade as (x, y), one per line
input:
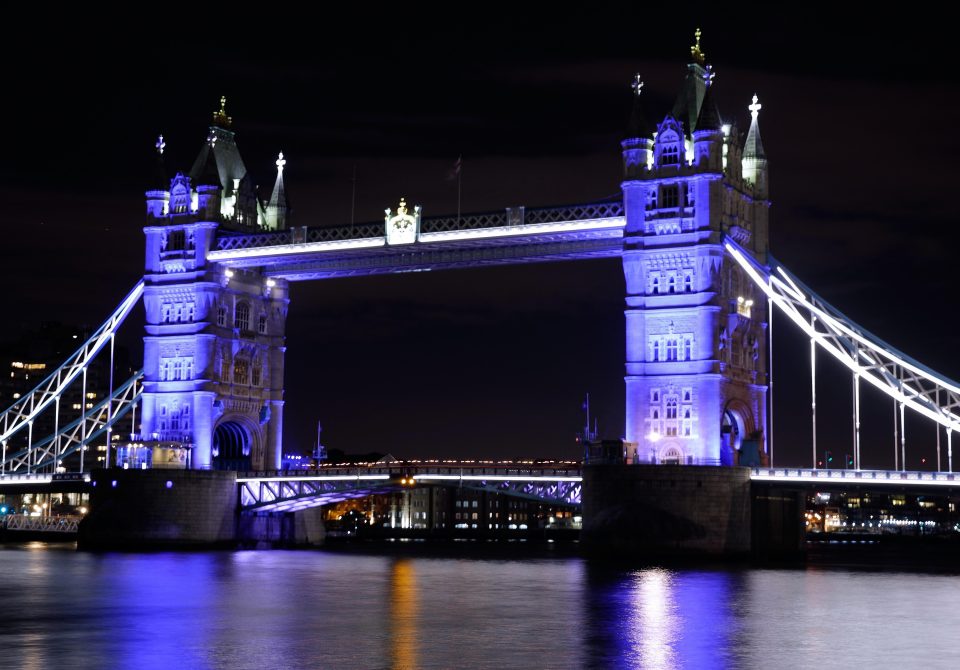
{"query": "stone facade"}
(696, 359)
(214, 344)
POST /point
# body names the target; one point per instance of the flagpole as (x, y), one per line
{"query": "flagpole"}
(353, 194)
(459, 179)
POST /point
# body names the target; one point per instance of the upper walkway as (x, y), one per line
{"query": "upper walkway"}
(511, 236)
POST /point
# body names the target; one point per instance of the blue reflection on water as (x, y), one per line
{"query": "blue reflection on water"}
(279, 609)
(658, 618)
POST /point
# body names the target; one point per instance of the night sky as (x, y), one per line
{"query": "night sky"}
(859, 127)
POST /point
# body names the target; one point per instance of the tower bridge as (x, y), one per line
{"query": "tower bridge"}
(691, 230)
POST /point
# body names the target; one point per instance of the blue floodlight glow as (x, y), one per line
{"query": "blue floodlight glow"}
(169, 484)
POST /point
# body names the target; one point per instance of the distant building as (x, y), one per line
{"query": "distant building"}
(28, 360)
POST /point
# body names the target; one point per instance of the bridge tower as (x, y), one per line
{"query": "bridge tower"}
(214, 343)
(696, 371)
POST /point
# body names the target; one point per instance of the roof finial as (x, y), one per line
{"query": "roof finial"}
(220, 117)
(281, 161)
(161, 145)
(708, 75)
(402, 208)
(755, 107)
(695, 52)
(637, 84)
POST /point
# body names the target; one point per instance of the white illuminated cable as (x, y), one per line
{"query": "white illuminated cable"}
(843, 357)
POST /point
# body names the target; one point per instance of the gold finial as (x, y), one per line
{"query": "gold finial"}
(695, 52)
(402, 207)
(220, 117)
(637, 84)
(755, 107)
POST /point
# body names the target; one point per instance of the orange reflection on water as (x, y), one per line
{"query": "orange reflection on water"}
(404, 613)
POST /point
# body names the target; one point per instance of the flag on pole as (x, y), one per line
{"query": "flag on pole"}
(455, 171)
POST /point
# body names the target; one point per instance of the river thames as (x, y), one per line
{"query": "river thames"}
(60, 608)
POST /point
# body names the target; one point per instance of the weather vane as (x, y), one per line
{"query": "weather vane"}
(698, 55)
(220, 117)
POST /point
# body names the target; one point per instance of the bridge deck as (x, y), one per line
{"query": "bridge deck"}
(513, 236)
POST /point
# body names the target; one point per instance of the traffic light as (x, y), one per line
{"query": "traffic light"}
(849, 462)
(829, 459)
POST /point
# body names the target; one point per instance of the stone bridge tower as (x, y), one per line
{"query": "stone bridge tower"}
(696, 371)
(214, 343)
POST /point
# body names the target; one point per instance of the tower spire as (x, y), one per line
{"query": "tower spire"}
(754, 159)
(709, 117)
(276, 212)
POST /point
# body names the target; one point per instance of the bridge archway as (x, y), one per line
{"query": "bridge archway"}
(234, 442)
(736, 424)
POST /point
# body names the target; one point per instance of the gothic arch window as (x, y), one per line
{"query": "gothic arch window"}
(241, 370)
(672, 284)
(656, 350)
(222, 316)
(255, 375)
(688, 283)
(241, 319)
(687, 349)
(670, 155)
(262, 324)
(655, 284)
(671, 404)
(671, 349)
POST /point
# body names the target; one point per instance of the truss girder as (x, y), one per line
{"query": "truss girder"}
(869, 358)
(279, 496)
(278, 492)
(79, 433)
(561, 493)
(26, 409)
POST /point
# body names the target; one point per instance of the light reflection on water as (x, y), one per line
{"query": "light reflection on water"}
(278, 609)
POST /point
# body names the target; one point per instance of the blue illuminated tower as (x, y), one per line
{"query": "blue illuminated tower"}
(696, 373)
(214, 343)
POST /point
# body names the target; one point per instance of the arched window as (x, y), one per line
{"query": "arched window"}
(671, 408)
(222, 316)
(670, 155)
(655, 284)
(255, 375)
(671, 350)
(262, 324)
(240, 371)
(241, 319)
(687, 349)
(672, 284)
(688, 283)
(656, 350)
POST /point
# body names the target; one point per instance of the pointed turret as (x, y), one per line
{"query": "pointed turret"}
(754, 160)
(638, 145)
(219, 174)
(687, 106)
(276, 210)
(709, 117)
(708, 136)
